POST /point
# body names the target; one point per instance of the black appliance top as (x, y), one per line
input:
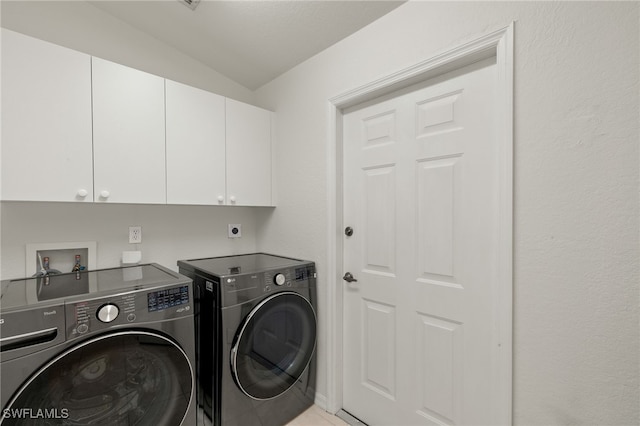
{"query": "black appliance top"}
(240, 264)
(85, 284)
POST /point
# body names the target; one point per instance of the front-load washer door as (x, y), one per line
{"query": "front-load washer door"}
(124, 378)
(274, 345)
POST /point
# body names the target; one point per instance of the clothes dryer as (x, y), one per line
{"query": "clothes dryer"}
(256, 328)
(104, 347)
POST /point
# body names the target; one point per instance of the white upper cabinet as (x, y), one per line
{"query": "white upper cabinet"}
(80, 128)
(46, 121)
(195, 145)
(128, 134)
(249, 161)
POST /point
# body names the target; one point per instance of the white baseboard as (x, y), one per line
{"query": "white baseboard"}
(321, 401)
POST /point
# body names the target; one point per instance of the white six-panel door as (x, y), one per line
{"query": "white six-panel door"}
(420, 176)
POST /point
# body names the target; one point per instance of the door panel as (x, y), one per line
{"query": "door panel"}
(378, 368)
(248, 151)
(128, 134)
(435, 216)
(440, 349)
(274, 345)
(194, 124)
(420, 193)
(46, 121)
(379, 218)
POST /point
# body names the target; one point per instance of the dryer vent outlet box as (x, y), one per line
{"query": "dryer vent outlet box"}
(235, 230)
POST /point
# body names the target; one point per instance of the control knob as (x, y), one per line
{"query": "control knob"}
(108, 312)
(279, 279)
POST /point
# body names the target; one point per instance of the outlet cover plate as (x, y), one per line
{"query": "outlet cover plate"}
(135, 234)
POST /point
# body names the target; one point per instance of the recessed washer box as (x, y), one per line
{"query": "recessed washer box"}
(61, 256)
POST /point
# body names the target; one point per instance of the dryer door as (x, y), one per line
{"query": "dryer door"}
(274, 345)
(132, 377)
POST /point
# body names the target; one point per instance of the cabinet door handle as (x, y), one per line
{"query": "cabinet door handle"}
(220, 199)
(82, 193)
(105, 194)
(232, 199)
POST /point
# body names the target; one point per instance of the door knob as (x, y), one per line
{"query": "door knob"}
(348, 277)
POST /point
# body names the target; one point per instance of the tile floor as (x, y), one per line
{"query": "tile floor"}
(316, 416)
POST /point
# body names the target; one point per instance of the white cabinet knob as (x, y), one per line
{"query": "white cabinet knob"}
(82, 193)
(105, 194)
(220, 199)
(232, 199)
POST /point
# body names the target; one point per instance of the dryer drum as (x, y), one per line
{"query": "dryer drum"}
(274, 345)
(132, 377)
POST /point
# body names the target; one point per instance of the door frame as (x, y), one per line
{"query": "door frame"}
(498, 44)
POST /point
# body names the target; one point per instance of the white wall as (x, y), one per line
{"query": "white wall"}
(576, 186)
(169, 233)
(80, 26)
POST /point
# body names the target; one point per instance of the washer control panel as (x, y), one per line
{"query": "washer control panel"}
(131, 308)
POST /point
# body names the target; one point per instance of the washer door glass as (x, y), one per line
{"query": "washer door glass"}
(127, 378)
(274, 345)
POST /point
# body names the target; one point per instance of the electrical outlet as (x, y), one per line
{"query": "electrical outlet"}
(135, 234)
(235, 230)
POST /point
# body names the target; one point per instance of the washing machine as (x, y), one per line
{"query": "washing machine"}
(256, 328)
(104, 347)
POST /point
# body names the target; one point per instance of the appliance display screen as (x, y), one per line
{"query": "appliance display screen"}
(163, 299)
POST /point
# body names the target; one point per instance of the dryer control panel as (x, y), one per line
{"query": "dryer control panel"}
(127, 309)
(236, 289)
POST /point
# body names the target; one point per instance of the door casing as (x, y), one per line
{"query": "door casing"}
(498, 44)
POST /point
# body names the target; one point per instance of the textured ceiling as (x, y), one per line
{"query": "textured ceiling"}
(251, 42)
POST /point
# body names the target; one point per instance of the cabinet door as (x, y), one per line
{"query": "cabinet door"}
(46, 121)
(129, 134)
(195, 145)
(248, 155)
